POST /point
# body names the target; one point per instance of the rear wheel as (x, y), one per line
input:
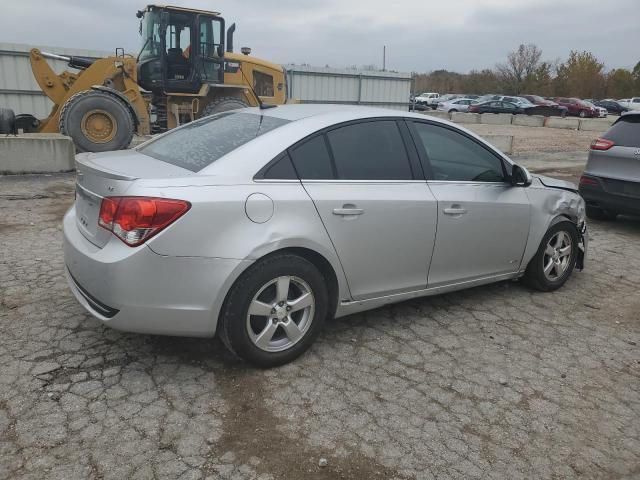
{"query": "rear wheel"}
(223, 104)
(555, 259)
(596, 213)
(583, 114)
(274, 311)
(453, 110)
(97, 121)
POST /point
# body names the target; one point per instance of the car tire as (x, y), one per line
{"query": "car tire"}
(582, 114)
(596, 213)
(273, 339)
(550, 268)
(453, 110)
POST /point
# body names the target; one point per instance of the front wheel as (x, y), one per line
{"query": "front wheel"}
(583, 114)
(274, 311)
(97, 121)
(555, 259)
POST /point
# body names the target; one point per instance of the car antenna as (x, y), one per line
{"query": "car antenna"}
(263, 106)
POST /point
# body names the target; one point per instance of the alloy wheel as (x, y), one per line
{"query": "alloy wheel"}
(280, 313)
(557, 256)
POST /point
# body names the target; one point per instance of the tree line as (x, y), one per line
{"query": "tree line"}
(581, 75)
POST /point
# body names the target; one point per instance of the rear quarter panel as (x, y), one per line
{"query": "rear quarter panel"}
(619, 163)
(217, 225)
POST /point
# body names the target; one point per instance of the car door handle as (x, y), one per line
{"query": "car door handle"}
(455, 211)
(348, 211)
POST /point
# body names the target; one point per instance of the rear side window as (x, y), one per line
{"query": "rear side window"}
(455, 157)
(280, 169)
(311, 159)
(626, 132)
(200, 143)
(370, 151)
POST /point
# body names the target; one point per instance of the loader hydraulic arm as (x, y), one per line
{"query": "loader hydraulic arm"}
(53, 85)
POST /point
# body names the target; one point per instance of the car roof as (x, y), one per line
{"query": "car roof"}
(295, 112)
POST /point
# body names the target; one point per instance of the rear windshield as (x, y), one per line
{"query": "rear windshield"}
(200, 143)
(626, 132)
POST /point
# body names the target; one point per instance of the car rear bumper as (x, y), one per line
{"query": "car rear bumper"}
(137, 290)
(620, 196)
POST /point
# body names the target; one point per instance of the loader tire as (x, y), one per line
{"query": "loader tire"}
(97, 121)
(7, 121)
(223, 104)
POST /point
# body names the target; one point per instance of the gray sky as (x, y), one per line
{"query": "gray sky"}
(420, 35)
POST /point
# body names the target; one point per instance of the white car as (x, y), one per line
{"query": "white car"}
(455, 105)
(630, 103)
(601, 111)
(428, 98)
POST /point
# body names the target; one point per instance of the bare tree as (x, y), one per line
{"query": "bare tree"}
(521, 65)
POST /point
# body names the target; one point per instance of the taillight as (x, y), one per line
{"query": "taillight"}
(601, 144)
(589, 182)
(134, 220)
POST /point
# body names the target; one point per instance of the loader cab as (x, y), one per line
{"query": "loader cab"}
(182, 49)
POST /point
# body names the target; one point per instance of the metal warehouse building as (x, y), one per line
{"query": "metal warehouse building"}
(357, 87)
(20, 92)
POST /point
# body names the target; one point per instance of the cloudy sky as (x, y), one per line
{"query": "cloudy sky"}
(420, 35)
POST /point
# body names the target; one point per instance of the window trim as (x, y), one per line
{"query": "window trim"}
(426, 163)
(415, 164)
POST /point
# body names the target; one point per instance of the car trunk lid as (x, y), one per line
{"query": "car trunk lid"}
(111, 174)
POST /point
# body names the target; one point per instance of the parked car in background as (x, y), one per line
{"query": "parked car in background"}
(496, 106)
(455, 105)
(601, 112)
(548, 108)
(577, 107)
(610, 184)
(612, 106)
(415, 106)
(630, 103)
(428, 99)
(259, 225)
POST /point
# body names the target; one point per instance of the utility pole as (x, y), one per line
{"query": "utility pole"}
(384, 58)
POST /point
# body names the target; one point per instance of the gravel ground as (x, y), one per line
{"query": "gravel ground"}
(539, 139)
(495, 382)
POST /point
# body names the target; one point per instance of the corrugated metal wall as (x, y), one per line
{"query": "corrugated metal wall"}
(18, 89)
(357, 87)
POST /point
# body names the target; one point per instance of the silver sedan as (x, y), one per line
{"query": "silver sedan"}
(258, 225)
(455, 105)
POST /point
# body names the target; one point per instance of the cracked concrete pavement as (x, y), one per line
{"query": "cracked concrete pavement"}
(494, 382)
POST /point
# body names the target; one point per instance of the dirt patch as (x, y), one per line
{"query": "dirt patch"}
(251, 430)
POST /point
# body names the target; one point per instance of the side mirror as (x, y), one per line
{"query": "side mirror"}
(520, 176)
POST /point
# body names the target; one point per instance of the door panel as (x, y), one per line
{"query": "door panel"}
(383, 232)
(482, 230)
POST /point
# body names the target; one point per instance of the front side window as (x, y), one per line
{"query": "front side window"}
(198, 144)
(455, 157)
(370, 151)
(150, 31)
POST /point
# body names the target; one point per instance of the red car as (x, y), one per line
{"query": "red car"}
(577, 107)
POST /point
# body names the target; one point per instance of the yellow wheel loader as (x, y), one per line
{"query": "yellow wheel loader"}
(183, 72)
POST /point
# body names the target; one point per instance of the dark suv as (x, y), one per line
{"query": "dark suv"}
(611, 181)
